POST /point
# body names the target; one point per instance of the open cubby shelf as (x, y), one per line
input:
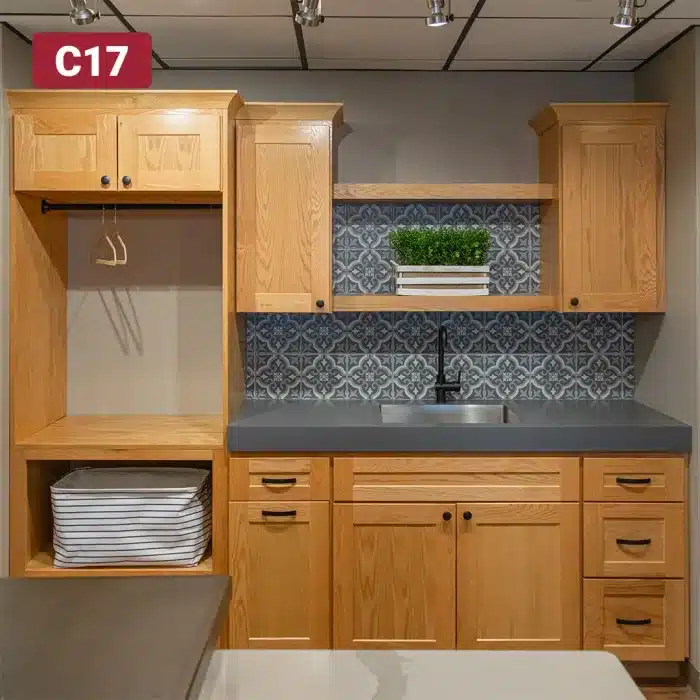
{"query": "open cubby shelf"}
(453, 192)
(392, 302)
(42, 566)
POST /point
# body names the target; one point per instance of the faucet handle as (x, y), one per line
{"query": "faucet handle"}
(459, 377)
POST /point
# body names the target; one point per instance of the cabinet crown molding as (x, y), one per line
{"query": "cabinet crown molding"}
(331, 112)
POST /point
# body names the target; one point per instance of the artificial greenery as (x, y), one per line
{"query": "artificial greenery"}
(440, 246)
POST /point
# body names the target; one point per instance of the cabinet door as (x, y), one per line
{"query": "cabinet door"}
(284, 217)
(279, 557)
(518, 576)
(170, 151)
(65, 150)
(394, 576)
(612, 225)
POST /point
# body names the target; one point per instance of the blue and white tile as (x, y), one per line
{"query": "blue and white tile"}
(323, 376)
(369, 332)
(506, 376)
(416, 332)
(465, 332)
(369, 272)
(472, 375)
(414, 376)
(368, 225)
(416, 215)
(369, 377)
(278, 333)
(507, 332)
(599, 333)
(599, 376)
(277, 376)
(323, 333)
(552, 333)
(552, 376)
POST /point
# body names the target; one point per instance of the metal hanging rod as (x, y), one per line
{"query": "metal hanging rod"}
(47, 207)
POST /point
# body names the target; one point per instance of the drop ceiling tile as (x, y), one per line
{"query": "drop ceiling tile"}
(203, 8)
(374, 64)
(519, 65)
(604, 65)
(29, 24)
(227, 37)
(538, 39)
(560, 8)
(650, 38)
(689, 9)
(381, 38)
(389, 8)
(232, 63)
(44, 6)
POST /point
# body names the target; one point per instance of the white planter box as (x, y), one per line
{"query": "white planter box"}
(442, 280)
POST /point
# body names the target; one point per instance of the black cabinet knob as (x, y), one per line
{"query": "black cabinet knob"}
(447, 516)
(126, 180)
(467, 515)
(320, 303)
(105, 179)
(574, 301)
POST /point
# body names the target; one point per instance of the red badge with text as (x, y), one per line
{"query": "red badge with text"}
(92, 60)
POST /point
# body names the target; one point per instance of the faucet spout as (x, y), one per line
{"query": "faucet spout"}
(442, 386)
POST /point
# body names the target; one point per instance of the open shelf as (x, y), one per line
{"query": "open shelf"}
(455, 192)
(390, 302)
(141, 432)
(41, 566)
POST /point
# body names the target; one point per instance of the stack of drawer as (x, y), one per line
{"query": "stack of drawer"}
(634, 557)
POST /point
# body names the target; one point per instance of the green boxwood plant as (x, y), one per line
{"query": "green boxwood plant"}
(440, 246)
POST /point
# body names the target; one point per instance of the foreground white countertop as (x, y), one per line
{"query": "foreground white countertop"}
(417, 675)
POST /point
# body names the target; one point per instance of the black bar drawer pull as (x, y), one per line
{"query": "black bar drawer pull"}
(633, 481)
(623, 540)
(269, 480)
(638, 623)
(279, 513)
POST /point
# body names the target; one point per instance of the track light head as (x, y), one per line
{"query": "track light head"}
(81, 14)
(626, 16)
(436, 14)
(309, 14)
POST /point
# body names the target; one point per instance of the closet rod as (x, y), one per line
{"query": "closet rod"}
(47, 207)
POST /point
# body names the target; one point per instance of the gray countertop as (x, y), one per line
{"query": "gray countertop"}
(542, 426)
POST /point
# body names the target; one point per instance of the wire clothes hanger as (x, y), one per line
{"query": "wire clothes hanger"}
(115, 232)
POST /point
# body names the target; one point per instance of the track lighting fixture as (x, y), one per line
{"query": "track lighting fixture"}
(309, 13)
(626, 16)
(81, 14)
(436, 14)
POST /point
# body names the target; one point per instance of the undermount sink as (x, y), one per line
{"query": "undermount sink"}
(427, 414)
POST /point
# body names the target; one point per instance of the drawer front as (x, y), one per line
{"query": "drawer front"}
(634, 479)
(436, 479)
(636, 620)
(635, 540)
(279, 479)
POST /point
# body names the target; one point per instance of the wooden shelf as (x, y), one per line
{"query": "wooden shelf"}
(398, 192)
(41, 566)
(388, 302)
(168, 437)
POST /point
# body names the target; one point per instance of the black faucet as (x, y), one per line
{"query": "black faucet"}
(442, 386)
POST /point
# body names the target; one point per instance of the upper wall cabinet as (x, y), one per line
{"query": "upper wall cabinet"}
(141, 142)
(284, 207)
(602, 238)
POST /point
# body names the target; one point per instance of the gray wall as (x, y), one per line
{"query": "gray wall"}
(667, 346)
(15, 72)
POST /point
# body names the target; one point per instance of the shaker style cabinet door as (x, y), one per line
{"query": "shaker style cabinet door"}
(283, 251)
(65, 150)
(518, 576)
(612, 217)
(279, 560)
(394, 576)
(170, 151)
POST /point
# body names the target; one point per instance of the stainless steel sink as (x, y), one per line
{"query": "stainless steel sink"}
(428, 414)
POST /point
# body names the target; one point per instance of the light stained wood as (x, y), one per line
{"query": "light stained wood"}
(550, 240)
(456, 478)
(65, 150)
(171, 150)
(284, 217)
(38, 317)
(122, 100)
(131, 197)
(280, 573)
(452, 192)
(129, 432)
(518, 576)
(250, 478)
(612, 177)
(605, 523)
(666, 475)
(393, 576)
(668, 693)
(329, 112)
(41, 566)
(495, 302)
(662, 602)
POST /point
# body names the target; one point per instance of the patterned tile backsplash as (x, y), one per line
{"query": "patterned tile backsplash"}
(393, 355)
(362, 255)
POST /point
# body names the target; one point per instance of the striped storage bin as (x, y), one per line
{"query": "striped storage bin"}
(131, 516)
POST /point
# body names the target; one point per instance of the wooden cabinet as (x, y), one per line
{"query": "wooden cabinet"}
(603, 248)
(284, 213)
(518, 576)
(65, 149)
(280, 478)
(394, 576)
(279, 556)
(86, 150)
